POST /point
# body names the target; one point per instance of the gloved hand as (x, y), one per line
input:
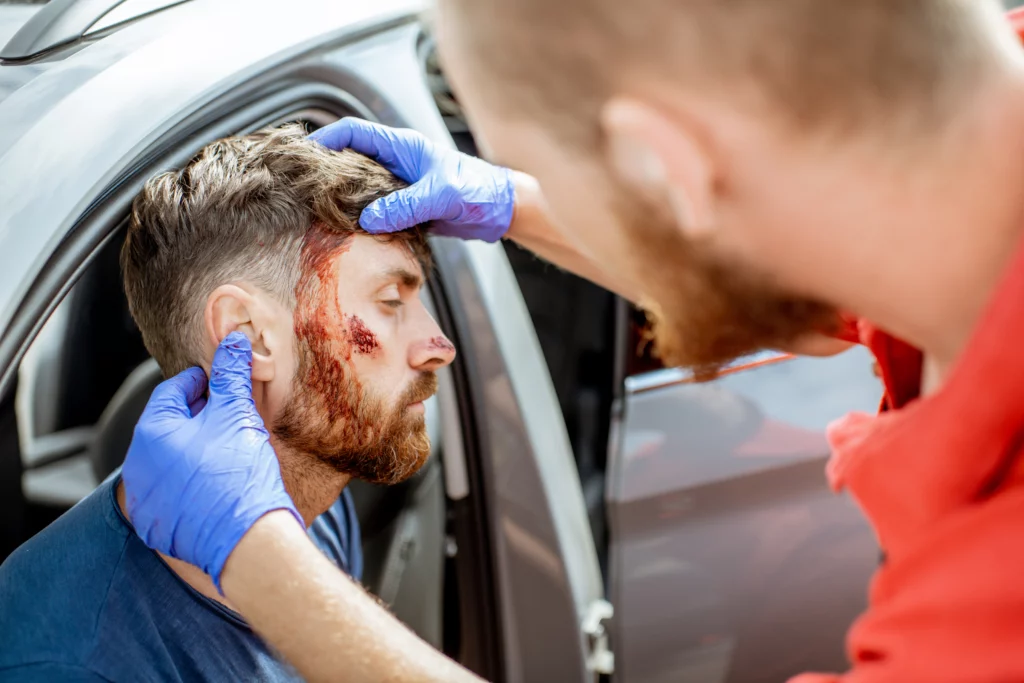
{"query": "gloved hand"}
(200, 472)
(463, 196)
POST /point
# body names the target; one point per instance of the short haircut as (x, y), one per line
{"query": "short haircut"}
(835, 66)
(240, 211)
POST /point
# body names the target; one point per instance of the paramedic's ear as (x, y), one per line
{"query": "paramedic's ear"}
(231, 308)
(665, 157)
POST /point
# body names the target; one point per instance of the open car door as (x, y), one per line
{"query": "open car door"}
(730, 558)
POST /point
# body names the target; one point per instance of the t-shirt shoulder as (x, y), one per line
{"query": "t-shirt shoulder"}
(52, 672)
(87, 595)
(40, 599)
(336, 533)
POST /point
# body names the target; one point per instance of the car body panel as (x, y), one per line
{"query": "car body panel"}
(80, 123)
(12, 18)
(731, 558)
(543, 543)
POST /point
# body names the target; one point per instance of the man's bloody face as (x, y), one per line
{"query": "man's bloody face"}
(367, 350)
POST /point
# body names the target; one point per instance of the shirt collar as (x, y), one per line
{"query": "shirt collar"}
(910, 466)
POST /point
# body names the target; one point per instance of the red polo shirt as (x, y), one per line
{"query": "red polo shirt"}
(941, 479)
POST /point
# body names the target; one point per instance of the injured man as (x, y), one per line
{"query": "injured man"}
(258, 235)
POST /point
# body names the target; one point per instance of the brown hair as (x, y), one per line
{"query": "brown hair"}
(239, 211)
(843, 66)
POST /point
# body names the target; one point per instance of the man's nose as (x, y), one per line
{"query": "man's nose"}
(432, 353)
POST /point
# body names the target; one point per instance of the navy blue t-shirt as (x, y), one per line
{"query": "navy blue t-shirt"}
(86, 600)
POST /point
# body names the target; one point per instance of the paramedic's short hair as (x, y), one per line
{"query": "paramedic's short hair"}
(840, 66)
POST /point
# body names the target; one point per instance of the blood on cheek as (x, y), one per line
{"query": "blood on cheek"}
(320, 326)
(329, 336)
(361, 337)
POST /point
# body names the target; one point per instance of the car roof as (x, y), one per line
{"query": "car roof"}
(12, 18)
(70, 124)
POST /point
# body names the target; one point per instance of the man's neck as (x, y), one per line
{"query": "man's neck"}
(941, 251)
(313, 486)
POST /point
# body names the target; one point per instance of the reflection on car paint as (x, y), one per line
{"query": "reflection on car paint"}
(724, 529)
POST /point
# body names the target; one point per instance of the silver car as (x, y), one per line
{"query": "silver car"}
(587, 513)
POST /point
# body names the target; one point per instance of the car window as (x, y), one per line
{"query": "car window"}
(575, 323)
(74, 367)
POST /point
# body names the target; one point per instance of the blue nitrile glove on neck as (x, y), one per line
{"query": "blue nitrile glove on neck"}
(461, 196)
(200, 472)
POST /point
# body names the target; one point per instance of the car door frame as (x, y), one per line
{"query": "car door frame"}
(721, 518)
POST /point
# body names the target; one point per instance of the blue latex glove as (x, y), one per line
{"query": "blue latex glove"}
(461, 195)
(200, 472)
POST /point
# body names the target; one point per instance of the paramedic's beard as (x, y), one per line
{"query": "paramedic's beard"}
(704, 311)
(358, 434)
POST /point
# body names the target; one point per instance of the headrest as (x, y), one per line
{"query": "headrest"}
(117, 423)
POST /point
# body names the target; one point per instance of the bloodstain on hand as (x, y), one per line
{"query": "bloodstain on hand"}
(361, 337)
(442, 344)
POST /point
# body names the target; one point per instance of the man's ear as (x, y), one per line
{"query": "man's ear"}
(230, 308)
(663, 156)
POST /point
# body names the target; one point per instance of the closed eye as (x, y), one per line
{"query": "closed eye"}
(393, 303)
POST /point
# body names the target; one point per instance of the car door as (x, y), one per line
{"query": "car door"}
(731, 560)
(85, 129)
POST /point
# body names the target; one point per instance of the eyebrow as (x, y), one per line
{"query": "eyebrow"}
(405, 276)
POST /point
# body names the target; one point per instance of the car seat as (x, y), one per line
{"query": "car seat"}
(117, 422)
(403, 530)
